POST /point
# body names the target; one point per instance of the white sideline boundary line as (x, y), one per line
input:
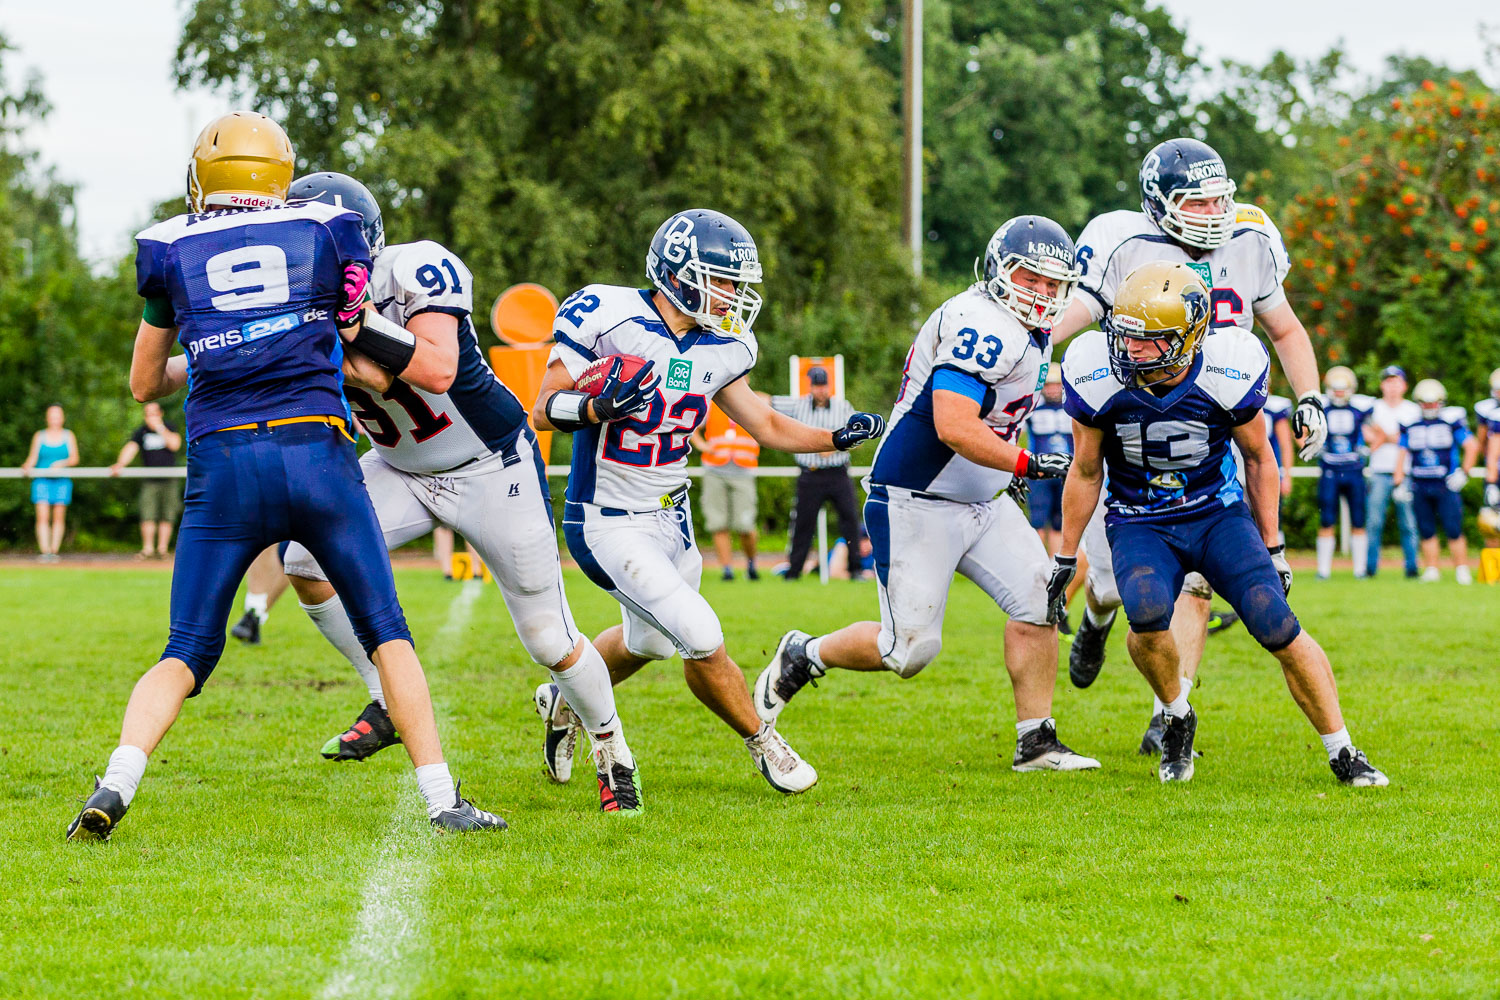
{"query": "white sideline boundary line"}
(392, 920)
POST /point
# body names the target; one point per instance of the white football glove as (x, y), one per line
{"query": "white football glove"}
(1492, 494)
(1283, 568)
(1310, 426)
(1401, 493)
(1457, 479)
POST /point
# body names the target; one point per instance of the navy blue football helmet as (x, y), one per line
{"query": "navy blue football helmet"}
(345, 192)
(1177, 170)
(1037, 244)
(694, 247)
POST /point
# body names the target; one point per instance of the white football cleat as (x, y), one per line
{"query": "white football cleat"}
(561, 738)
(788, 672)
(779, 763)
(1431, 575)
(1464, 575)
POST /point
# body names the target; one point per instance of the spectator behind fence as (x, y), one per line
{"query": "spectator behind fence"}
(158, 443)
(727, 496)
(1383, 433)
(824, 476)
(51, 447)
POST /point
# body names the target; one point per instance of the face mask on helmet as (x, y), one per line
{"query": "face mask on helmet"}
(729, 310)
(1431, 396)
(704, 263)
(1162, 304)
(1340, 384)
(1039, 247)
(1183, 170)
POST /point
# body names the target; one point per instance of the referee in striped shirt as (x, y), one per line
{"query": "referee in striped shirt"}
(824, 476)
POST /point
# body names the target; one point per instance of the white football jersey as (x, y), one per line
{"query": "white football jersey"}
(971, 346)
(1487, 411)
(631, 463)
(426, 432)
(1243, 276)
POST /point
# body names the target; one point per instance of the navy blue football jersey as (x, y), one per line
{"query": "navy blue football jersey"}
(1346, 422)
(1168, 457)
(254, 293)
(1049, 428)
(1435, 443)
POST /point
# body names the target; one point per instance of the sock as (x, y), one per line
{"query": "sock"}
(1325, 555)
(1159, 707)
(586, 687)
(257, 604)
(1360, 544)
(1178, 707)
(1030, 726)
(814, 646)
(126, 765)
(1334, 742)
(333, 622)
(1098, 620)
(436, 786)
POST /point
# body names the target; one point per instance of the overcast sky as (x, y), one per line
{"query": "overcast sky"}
(120, 130)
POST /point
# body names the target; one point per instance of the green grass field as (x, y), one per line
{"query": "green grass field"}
(920, 866)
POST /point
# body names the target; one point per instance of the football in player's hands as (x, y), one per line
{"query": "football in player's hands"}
(622, 385)
(861, 427)
(597, 374)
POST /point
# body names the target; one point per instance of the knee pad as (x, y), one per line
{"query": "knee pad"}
(1194, 585)
(1148, 599)
(1268, 617)
(911, 654)
(546, 639)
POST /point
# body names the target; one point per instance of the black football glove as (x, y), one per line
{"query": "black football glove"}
(861, 427)
(1046, 465)
(1283, 568)
(620, 399)
(1063, 568)
(1019, 490)
(1310, 426)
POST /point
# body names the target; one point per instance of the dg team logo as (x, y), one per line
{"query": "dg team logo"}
(679, 374)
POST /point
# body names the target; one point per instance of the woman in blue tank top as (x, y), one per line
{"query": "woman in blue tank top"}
(51, 447)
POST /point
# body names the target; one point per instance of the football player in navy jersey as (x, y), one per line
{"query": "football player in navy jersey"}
(1158, 400)
(1048, 429)
(1341, 472)
(1437, 454)
(269, 301)
(1487, 411)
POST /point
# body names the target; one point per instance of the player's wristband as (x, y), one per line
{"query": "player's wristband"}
(388, 345)
(1023, 461)
(568, 410)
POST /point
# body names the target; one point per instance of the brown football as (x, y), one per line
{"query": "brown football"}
(595, 375)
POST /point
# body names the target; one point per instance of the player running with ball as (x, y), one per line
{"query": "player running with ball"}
(1158, 400)
(648, 364)
(937, 500)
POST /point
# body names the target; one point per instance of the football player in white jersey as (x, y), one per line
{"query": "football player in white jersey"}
(452, 447)
(1188, 215)
(937, 494)
(627, 520)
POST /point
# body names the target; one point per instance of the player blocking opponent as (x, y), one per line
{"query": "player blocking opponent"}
(266, 298)
(937, 503)
(627, 520)
(451, 446)
(1158, 400)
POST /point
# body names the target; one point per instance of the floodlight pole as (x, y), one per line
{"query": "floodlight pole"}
(911, 128)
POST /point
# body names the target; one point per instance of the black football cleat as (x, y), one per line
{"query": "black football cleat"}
(465, 817)
(372, 731)
(1151, 741)
(1041, 750)
(788, 672)
(1177, 747)
(247, 629)
(1353, 769)
(1086, 658)
(1218, 621)
(751, 573)
(99, 815)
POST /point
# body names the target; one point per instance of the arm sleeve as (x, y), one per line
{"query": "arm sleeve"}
(159, 312)
(961, 382)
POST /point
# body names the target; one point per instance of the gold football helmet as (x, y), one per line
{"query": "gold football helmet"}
(1430, 395)
(241, 160)
(1341, 383)
(1162, 302)
(1495, 383)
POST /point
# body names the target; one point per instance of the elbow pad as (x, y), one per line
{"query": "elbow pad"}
(568, 410)
(383, 342)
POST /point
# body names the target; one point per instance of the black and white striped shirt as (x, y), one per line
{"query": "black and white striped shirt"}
(830, 417)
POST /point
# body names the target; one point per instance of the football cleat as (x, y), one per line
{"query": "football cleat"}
(1431, 575)
(1086, 658)
(247, 629)
(1463, 575)
(1218, 621)
(464, 816)
(99, 815)
(779, 763)
(1177, 747)
(1041, 750)
(751, 573)
(619, 779)
(562, 728)
(1353, 769)
(1151, 742)
(372, 731)
(788, 672)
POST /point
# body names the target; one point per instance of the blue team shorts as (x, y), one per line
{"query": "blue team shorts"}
(53, 491)
(1044, 505)
(248, 489)
(1434, 503)
(1224, 545)
(1348, 484)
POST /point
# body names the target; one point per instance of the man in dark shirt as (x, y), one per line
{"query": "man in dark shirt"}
(161, 499)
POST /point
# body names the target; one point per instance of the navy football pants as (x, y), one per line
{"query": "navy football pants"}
(1349, 485)
(1225, 546)
(252, 488)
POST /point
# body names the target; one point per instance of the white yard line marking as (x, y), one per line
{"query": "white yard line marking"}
(391, 921)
